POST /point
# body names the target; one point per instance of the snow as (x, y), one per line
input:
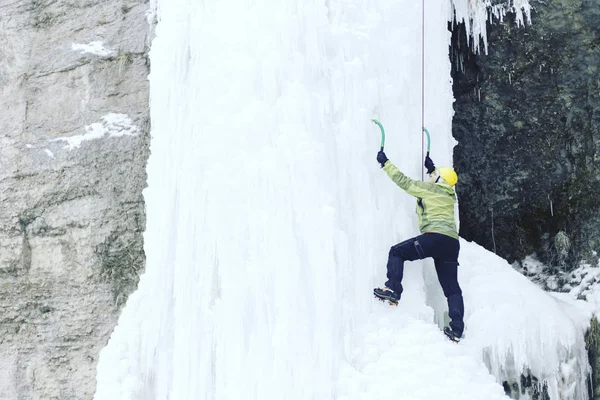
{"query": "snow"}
(404, 356)
(520, 327)
(581, 283)
(269, 220)
(96, 47)
(112, 124)
(584, 283)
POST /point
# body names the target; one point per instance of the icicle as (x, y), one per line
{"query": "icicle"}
(476, 13)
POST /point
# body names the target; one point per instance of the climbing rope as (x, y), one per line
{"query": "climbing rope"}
(423, 90)
(422, 99)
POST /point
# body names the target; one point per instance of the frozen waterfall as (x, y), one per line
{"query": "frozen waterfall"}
(269, 220)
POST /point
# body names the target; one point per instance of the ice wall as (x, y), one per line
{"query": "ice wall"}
(268, 216)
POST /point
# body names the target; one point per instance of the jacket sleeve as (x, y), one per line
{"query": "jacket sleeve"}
(414, 188)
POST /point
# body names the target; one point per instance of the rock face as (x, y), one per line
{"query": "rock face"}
(74, 134)
(528, 125)
(527, 119)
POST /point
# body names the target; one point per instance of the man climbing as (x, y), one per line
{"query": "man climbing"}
(438, 239)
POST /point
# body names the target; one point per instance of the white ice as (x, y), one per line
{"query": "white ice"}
(269, 220)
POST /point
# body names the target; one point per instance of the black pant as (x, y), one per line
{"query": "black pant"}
(444, 251)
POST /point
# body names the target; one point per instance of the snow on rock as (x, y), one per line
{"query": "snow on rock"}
(584, 283)
(113, 125)
(96, 47)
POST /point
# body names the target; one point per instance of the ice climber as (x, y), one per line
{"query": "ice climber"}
(438, 239)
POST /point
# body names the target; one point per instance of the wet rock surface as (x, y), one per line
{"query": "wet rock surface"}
(528, 125)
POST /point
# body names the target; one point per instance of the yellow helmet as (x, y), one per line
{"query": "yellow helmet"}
(449, 175)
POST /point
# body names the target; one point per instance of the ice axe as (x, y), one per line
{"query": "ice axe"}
(382, 132)
(383, 136)
(428, 140)
(428, 146)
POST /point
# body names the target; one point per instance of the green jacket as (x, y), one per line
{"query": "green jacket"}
(435, 202)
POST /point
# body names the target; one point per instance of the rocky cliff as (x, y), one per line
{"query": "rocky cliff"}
(74, 136)
(528, 125)
(527, 121)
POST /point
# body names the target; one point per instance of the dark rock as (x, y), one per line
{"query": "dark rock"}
(527, 119)
(592, 343)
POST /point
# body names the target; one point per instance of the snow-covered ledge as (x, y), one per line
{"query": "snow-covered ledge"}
(516, 327)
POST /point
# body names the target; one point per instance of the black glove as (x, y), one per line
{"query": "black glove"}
(381, 158)
(429, 165)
